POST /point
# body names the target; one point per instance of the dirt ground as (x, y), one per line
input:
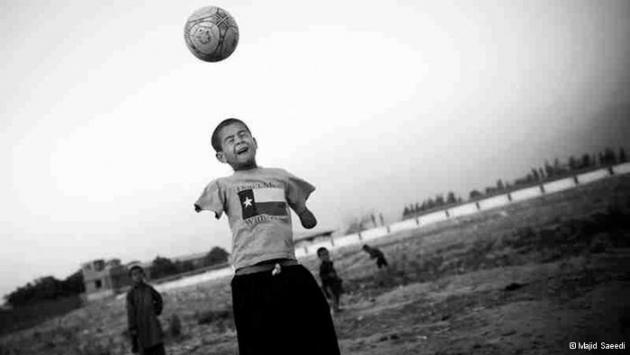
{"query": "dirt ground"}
(526, 279)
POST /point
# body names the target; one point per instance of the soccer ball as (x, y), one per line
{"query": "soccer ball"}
(211, 34)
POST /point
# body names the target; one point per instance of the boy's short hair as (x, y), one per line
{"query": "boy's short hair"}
(136, 267)
(321, 250)
(215, 140)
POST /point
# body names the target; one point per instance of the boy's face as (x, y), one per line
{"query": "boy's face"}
(137, 276)
(239, 147)
(324, 256)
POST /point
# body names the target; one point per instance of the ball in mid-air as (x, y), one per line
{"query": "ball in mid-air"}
(211, 34)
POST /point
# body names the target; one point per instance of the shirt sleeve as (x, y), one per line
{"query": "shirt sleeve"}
(211, 199)
(297, 192)
(158, 303)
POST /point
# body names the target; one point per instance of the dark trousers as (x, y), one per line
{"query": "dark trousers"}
(280, 314)
(154, 350)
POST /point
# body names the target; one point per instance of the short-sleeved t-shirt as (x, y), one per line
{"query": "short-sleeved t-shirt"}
(257, 203)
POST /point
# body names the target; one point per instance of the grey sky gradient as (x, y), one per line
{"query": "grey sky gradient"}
(105, 116)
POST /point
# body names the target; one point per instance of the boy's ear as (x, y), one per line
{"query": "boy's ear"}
(221, 157)
(255, 142)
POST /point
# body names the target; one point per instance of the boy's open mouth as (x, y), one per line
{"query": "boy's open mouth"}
(242, 150)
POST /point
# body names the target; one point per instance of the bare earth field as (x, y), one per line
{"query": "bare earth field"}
(526, 279)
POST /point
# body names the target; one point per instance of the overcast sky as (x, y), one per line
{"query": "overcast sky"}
(105, 115)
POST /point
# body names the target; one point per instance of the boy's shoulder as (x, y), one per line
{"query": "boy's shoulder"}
(130, 292)
(140, 288)
(264, 171)
(275, 170)
(272, 171)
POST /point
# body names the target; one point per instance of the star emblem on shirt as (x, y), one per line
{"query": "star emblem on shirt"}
(247, 202)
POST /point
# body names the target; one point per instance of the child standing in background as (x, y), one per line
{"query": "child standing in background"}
(331, 282)
(144, 305)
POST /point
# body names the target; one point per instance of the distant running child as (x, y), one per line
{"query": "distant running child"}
(278, 306)
(377, 254)
(331, 282)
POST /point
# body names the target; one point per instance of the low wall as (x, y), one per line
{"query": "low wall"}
(593, 176)
(560, 185)
(300, 252)
(404, 225)
(312, 249)
(346, 240)
(463, 210)
(374, 233)
(195, 279)
(494, 202)
(525, 194)
(433, 217)
(621, 168)
(469, 208)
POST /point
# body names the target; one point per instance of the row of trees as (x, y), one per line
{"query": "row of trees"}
(547, 171)
(46, 288)
(558, 169)
(413, 210)
(163, 267)
(50, 288)
(366, 221)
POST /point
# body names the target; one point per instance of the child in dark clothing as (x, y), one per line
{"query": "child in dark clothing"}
(375, 253)
(144, 304)
(331, 282)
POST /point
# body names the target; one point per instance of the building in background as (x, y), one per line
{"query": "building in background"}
(304, 240)
(196, 261)
(104, 278)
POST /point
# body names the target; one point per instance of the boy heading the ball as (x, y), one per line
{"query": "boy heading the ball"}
(275, 299)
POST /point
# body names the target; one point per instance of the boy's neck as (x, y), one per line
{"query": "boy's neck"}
(249, 166)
